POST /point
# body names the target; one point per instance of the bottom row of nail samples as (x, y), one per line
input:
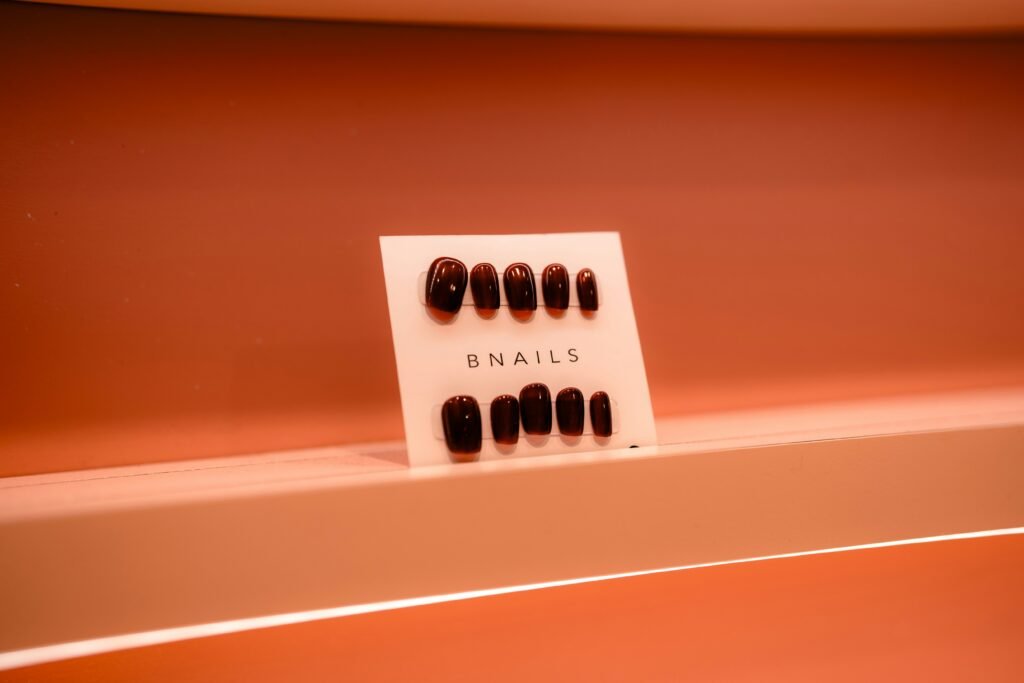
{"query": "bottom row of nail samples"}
(460, 418)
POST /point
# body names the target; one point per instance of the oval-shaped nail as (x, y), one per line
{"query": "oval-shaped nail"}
(569, 411)
(460, 417)
(586, 289)
(520, 290)
(554, 283)
(446, 286)
(601, 414)
(535, 409)
(505, 419)
(483, 282)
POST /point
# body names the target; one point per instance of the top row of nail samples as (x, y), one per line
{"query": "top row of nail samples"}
(447, 279)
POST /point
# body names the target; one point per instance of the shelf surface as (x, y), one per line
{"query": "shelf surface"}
(228, 544)
(97, 490)
(947, 611)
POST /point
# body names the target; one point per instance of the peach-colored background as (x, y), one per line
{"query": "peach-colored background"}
(189, 209)
(937, 612)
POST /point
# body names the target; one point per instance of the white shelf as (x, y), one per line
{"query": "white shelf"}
(125, 550)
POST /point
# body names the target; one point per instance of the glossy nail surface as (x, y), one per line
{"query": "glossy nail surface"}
(460, 417)
(601, 414)
(554, 283)
(586, 289)
(483, 282)
(446, 286)
(535, 409)
(505, 419)
(520, 290)
(569, 411)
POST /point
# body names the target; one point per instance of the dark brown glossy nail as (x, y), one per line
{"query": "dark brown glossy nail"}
(460, 417)
(520, 290)
(483, 282)
(535, 408)
(554, 282)
(569, 411)
(505, 419)
(446, 286)
(586, 289)
(601, 414)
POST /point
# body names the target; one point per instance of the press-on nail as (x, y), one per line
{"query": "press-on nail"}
(460, 417)
(535, 408)
(505, 419)
(586, 289)
(483, 282)
(601, 414)
(520, 290)
(554, 282)
(570, 412)
(446, 285)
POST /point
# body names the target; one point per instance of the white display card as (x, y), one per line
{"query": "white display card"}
(484, 358)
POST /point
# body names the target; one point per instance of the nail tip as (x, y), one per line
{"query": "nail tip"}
(520, 289)
(461, 422)
(601, 414)
(440, 316)
(555, 287)
(586, 290)
(570, 411)
(447, 278)
(485, 288)
(505, 420)
(535, 409)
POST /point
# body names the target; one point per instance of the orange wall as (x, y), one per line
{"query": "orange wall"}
(189, 209)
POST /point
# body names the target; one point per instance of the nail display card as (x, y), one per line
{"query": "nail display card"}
(487, 357)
